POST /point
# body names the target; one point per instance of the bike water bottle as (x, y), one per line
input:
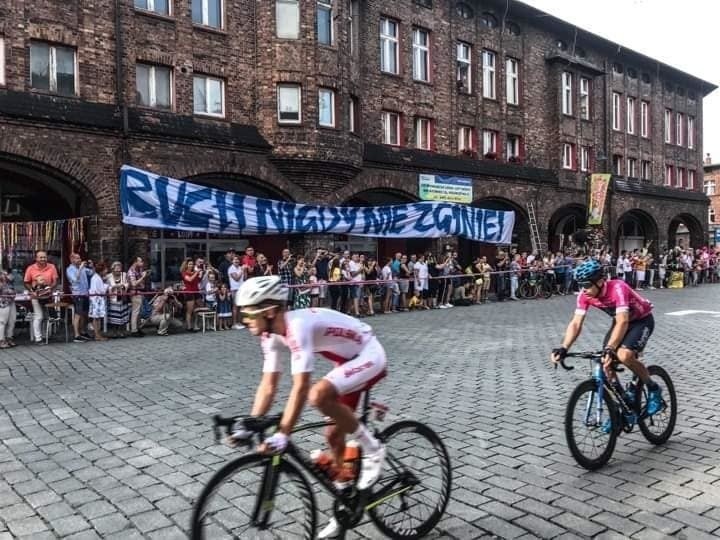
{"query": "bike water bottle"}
(597, 370)
(629, 395)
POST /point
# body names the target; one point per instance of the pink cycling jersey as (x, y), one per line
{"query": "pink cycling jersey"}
(616, 297)
(316, 331)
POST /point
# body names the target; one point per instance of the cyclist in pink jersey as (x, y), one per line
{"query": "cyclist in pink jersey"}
(632, 326)
(350, 344)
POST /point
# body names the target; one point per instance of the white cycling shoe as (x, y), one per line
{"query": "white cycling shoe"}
(371, 467)
(331, 530)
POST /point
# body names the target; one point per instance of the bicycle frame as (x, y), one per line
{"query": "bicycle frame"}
(604, 385)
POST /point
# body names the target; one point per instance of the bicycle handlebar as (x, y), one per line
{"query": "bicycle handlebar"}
(587, 355)
(254, 424)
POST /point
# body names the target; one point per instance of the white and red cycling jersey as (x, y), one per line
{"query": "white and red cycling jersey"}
(349, 343)
(616, 297)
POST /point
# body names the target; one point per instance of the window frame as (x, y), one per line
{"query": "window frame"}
(467, 63)
(489, 81)
(152, 86)
(333, 121)
(52, 69)
(669, 174)
(354, 27)
(421, 54)
(512, 78)
(709, 185)
(631, 167)
(691, 132)
(630, 114)
(470, 131)
(155, 11)
(690, 179)
(617, 164)
(517, 150)
(299, 89)
(422, 128)
(353, 114)
(222, 95)
(644, 119)
(296, 4)
(493, 138)
(2, 61)
(567, 93)
(668, 126)
(680, 177)
(205, 5)
(679, 126)
(325, 5)
(584, 158)
(645, 169)
(711, 214)
(584, 91)
(387, 40)
(616, 111)
(568, 157)
(385, 117)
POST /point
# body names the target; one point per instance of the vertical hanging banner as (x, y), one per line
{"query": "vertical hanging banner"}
(598, 195)
(150, 200)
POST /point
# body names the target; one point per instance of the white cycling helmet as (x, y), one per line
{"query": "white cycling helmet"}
(259, 290)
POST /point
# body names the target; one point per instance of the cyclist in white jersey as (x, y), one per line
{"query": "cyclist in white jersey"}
(349, 343)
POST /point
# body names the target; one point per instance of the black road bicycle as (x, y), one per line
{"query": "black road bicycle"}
(597, 413)
(262, 496)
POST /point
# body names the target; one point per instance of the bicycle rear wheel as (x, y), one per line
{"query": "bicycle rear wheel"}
(231, 504)
(658, 428)
(411, 496)
(591, 447)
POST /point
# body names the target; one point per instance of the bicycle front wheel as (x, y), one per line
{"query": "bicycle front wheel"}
(591, 435)
(239, 502)
(658, 427)
(411, 496)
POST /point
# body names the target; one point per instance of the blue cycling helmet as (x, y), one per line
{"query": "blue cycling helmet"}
(588, 270)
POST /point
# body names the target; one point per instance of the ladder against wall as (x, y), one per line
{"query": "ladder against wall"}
(537, 244)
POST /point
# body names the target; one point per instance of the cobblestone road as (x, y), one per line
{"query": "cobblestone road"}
(112, 440)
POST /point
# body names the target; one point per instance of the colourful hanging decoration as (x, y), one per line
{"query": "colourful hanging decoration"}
(34, 235)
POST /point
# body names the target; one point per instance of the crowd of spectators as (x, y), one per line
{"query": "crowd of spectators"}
(116, 303)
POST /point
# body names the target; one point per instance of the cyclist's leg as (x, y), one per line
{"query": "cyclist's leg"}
(633, 343)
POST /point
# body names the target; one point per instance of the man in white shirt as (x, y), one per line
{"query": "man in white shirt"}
(355, 277)
(236, 276)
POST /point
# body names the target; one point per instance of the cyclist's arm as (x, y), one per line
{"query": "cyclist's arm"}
(573, 330)
(302, 358)
(296, 401)
(622, 321)
(265, 394)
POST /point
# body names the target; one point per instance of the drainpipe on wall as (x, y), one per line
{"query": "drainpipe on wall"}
(120, 98)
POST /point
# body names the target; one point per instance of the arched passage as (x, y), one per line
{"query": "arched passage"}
(564, 223)
(34, 191)
(469, 249)
(381, 247)
(636, 229)
(685, 231)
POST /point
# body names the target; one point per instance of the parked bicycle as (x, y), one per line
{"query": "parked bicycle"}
(270, 496)
(535, 285)
(605, 411)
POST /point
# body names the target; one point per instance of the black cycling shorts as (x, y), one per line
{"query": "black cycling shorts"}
(637, 334)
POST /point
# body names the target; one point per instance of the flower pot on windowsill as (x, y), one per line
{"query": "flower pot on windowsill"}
(515, 159)
(491, 155)
(468, 152)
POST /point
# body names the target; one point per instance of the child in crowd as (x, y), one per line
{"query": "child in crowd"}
(224, 308)
(314, 288)
(211, 291)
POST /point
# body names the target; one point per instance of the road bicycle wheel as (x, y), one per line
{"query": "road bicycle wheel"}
(591, 447)
(546, 290)
(524, 290)
(658, 427)
(411, 496)
(231, 505)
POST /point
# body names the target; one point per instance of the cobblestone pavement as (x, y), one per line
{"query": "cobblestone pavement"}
(112, 440)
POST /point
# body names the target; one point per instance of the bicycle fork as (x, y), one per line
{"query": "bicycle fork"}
(265, 500)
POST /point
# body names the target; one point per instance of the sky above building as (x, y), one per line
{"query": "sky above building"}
(681, 34)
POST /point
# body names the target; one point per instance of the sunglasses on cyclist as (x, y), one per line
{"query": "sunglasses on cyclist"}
(254, 313)
(586, 284)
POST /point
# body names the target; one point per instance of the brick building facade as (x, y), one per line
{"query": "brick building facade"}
(341, 102)
(711, 184)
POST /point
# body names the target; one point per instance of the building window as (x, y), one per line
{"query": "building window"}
(423, 133)
(153, 86)
(466, 140)
(488, 66)
(679, 125)
(709, 187)
(161, 7)
(324, 22)
(488, 20)
(617, 164)
(567, 93)
(711, 214)
(668, 175)
(512, 81)
(2, 61)
(489, 143)
(464, 11)
(464, 67)
(584, 98)
(568, 158)
(207, 13)
(691, 179)
(630, 115)
(354, 26)
(326, 107)
(391, 128)
(512, 29)
(644, 119)
(354, 114)
(691, 132)
(645, 168)
(631, 167)
(287, 19)
(389, 46)
(585, 158)
(208, 95)
(52, 68)
(616, 111)
(680, 177)
(512, 148)
(424, 3)
(421, 55)
(668, 126)
(289, 104)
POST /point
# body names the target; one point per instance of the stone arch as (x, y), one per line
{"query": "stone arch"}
(376, 180)
(379, 197)
(685, 230)
(565, 221)
(240, 183)
(636, 229)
